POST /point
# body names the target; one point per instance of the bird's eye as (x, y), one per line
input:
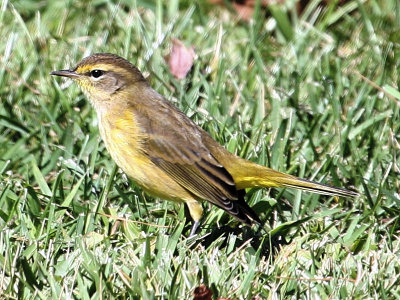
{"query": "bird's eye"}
(96, 73)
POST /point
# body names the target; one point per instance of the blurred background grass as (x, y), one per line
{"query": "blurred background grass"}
(315, 95)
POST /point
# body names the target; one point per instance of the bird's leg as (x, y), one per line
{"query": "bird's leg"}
(194, 229)
(196, 211)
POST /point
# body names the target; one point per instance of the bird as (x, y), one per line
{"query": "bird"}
(166, 153)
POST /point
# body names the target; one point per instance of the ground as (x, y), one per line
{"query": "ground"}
(314, 95)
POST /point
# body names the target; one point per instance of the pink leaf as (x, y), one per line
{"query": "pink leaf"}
(181, 59)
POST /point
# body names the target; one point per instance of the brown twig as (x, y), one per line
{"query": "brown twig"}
(24, 83)
(373, 84)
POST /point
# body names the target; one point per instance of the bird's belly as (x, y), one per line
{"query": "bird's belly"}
(128, 153)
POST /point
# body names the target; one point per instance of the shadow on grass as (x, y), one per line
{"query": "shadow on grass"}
(235, 237)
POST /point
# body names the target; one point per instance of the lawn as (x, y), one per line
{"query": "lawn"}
(312, 94)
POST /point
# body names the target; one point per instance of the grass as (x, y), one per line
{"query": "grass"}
(316, 97)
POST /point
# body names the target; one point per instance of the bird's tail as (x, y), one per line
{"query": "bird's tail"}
(253, 175)
(314, 187)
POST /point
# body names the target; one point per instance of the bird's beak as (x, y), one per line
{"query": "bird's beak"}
(66, 73)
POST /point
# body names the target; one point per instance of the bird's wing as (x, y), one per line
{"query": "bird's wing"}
(174, 143)
(193, 168)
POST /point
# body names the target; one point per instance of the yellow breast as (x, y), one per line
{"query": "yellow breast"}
(125, 141)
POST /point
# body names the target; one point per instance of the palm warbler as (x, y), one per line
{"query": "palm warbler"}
(165, 152)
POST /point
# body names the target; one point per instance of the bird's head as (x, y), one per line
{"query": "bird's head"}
(102, 76)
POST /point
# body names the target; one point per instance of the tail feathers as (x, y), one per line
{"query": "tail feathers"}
(247, 175)
(315, 187)
(241, 210)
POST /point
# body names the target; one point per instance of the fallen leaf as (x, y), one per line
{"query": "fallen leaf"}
(202, 292)
(244, 11)
(181, 59)
(245, 8)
